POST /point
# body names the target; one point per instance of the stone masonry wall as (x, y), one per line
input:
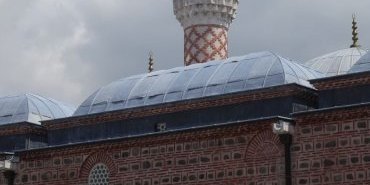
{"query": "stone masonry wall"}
(247, 153)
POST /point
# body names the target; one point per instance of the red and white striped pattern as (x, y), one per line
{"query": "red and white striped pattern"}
(203, 43)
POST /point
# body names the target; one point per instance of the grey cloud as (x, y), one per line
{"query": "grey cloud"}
(66, 49)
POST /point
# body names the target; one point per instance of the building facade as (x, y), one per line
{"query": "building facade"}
(258, 119)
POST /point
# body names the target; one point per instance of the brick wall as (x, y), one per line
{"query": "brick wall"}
(338, 82)
(22, 128)
(332, 147)
(247, 153)
(329, 147)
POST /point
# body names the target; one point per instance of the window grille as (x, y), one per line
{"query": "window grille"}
(99, 175)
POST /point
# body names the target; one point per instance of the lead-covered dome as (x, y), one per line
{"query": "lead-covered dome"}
(336, 63)
(361, 65)
(253, 71)
(32, 109)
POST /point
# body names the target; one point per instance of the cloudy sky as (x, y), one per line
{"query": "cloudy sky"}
(66, 49)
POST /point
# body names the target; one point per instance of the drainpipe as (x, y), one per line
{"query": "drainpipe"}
(286, 139)
(9, 176)
(284, 130)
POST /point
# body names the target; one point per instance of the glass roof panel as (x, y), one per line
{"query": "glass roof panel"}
(142, 87)
(336, 63)
(31, 108)
(221, 76)
(276, 68)
(234, 86)
(254, 83)
(242, 71)
(214, 90)
(298, 71)
(291, 78)
(182, 80)
(99, 107)
(161, 85)
(202, 77)
(363, 64)
(36, 107)
(89, 101)
(273, 80)
(261, 67)
(344, 67)
(9, 106)
(199, 81)
(105, 94)
(123, 89)
(253, 71)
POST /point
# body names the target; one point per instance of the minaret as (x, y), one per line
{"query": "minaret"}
(206, 24)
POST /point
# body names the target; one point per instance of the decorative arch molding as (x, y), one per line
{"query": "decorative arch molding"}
(264, 144)
(96, 158)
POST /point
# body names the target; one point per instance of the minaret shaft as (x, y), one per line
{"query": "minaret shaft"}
(206, 24)
(203, 43)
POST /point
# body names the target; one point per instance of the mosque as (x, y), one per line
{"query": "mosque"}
(257, 119)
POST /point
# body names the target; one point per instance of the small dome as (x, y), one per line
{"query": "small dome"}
(253, 71)
(361, 65)
(31, 108)
(336, 63)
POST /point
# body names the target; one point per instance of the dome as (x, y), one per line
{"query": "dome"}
(31, 108)
(336, 63)
(253, 71)
(361, 65)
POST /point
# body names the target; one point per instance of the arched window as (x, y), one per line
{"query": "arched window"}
(99, 175)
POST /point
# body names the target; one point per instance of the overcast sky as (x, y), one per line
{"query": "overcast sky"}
(66, 49)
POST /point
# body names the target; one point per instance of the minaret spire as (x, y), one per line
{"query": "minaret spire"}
(354, 32)
(151, 62)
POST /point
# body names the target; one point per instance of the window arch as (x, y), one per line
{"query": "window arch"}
(99, 175)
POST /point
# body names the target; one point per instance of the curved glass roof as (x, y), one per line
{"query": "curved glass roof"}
(31, 108)
(253, 71)
(361, 65)
(336, 63)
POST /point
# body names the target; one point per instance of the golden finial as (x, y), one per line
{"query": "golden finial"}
(354, 32)
(151, 62)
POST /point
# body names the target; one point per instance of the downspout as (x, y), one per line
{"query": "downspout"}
(9, 176)
(286, 139)
(284, 129)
